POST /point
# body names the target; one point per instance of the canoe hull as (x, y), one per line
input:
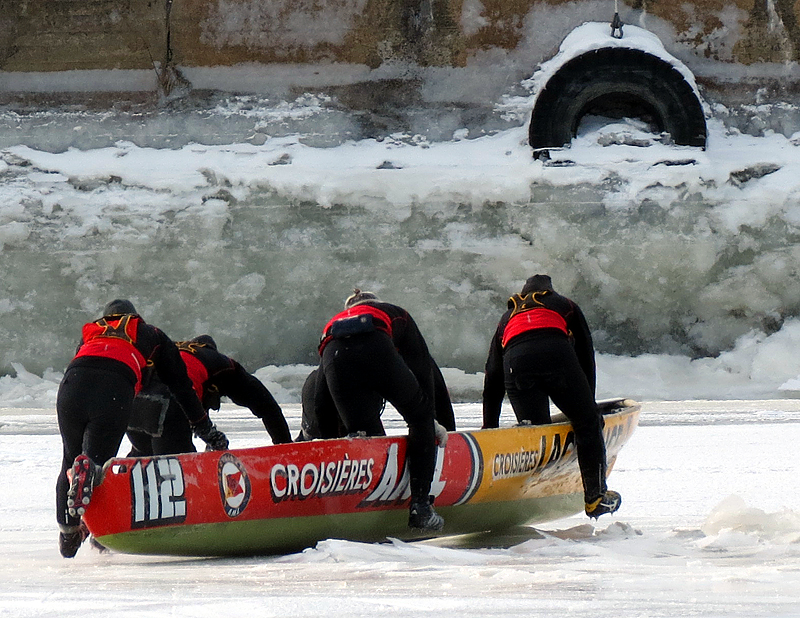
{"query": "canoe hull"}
(283, 498)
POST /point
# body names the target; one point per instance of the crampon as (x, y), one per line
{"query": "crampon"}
(609, 502)
(83, 476)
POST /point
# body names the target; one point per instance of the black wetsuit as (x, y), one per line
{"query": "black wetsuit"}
(159, 427)
(320, 420)
(96, 395)
(542, 349)
(374, 351)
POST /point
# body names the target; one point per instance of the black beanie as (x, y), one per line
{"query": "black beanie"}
(119, 307)
(537, 283)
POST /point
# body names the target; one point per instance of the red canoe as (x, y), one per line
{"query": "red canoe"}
(283, 498)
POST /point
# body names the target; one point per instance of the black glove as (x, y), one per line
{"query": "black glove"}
(215, 440)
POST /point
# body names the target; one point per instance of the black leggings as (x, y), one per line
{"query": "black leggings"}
(361, 368)
(93, 407)
(546, 366)
(321, 420)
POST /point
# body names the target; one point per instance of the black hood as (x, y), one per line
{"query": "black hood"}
(205, 340)
(537, 283)
(119, 307)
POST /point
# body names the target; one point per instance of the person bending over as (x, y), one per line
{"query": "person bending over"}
(94, 404)
(158, 425)
(374, 350)
(542, 350)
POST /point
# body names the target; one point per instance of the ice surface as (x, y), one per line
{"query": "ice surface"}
(709, 527)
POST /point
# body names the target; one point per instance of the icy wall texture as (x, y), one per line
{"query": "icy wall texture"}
(668, 250)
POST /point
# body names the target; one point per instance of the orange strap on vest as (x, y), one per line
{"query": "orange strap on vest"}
(115, 339)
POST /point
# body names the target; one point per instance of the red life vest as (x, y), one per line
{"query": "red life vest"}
(530, 313)
(197, 371)
(382, 321)
(531, 319)
(115, 338)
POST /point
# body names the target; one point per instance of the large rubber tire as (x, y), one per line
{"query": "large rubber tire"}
(617, 82)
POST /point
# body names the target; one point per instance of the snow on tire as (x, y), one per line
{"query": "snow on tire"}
(617, 82)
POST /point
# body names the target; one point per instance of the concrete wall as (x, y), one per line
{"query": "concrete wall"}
(62, 35)
(768, 30)
(369, 32)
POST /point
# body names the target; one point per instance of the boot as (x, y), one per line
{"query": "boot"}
(608, 502)
(70, 539)
(421, 516)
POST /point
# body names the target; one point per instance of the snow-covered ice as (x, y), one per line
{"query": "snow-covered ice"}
(710, 526)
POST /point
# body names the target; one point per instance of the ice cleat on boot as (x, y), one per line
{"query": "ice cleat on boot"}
(84, 475)
(609, 502)
(70, 539)
(421, 516)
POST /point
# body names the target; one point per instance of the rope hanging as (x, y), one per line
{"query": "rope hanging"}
(616, 23)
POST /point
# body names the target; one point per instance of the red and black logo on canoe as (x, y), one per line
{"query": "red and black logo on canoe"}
(234, 484)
